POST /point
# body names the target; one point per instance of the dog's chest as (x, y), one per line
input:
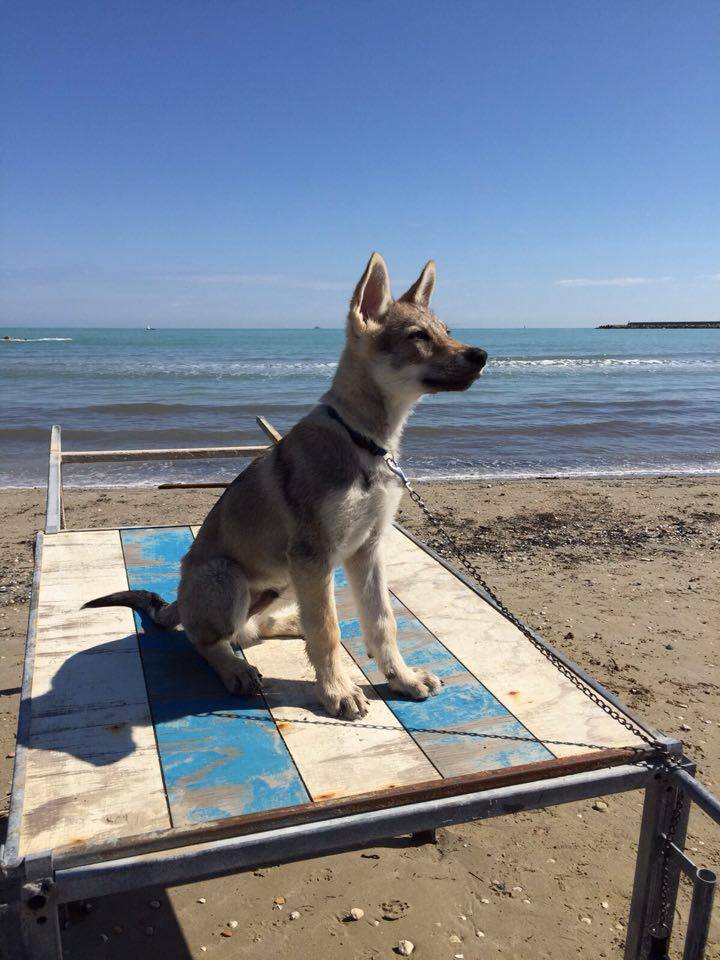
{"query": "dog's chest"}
(361, 511)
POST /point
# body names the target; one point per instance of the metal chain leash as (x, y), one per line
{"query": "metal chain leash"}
(668, 761)
(509, 615)
(665, 875)
(359, 725)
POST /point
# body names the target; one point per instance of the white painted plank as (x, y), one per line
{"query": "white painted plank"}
(334, 758)
(495, 651)
(92, 766)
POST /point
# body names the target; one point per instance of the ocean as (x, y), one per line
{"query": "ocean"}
(551, 401)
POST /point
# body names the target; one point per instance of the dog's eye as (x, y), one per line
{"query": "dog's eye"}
(418, 335)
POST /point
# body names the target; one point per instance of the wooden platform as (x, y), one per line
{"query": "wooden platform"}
(129, 733)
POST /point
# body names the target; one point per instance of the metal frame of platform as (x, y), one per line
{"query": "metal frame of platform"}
(33, 887)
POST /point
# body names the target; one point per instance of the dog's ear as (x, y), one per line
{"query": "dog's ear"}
(421, 291)
(372, 295)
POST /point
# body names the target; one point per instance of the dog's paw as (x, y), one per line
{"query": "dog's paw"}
(241, 678)
(344, 700)
(418, 684)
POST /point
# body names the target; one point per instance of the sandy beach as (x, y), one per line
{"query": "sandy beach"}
(621, 574)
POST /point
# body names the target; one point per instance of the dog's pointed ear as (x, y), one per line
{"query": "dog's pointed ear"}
(421, 291)
(372, 295)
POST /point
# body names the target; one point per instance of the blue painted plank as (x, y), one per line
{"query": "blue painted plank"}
(463, 705)
(214, 767)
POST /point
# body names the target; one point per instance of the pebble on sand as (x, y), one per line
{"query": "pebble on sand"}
(357, 913)
(600, 805)
(405, 948)
(586, 920)
(233, 924)
(225, 933)
(454, 938)
(201, 900)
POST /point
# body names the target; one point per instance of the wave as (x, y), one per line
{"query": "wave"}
(180, 436)
(141, 408)
(37, 339)
(620, 471)
(79, 368)
(582, 363)
(92, 478)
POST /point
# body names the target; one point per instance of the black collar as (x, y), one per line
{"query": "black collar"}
(358, 438)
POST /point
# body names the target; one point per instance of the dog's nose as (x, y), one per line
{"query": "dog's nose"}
(476, 355)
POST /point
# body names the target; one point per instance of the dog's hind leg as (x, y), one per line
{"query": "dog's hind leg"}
(313, 583)
(366, 575)
(214, 600)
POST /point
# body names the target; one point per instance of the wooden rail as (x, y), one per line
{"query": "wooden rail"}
(181, 453)
(54, 511)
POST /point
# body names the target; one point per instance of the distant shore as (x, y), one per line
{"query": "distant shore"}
(659, 325)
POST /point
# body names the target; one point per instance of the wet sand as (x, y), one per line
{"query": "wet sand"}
(622, 575)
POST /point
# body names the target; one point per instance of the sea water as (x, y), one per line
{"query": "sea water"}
(551, 401)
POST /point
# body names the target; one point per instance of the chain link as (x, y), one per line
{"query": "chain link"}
(359, 725)
(677, 811)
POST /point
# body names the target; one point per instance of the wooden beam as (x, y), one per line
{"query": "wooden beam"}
(200, 485)
(182, 453)
(268, 429)
(54, 520)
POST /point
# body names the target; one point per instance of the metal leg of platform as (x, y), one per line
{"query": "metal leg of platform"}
(37, 911)
(423, 837)
(660, 799)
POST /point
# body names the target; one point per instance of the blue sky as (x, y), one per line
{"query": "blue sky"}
(218, 163)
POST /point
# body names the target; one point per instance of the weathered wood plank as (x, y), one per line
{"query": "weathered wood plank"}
(180, 453)
(497, 653)
(215, 766)
(472, 722)
(335, 758)
(268, 429)
(92, 765)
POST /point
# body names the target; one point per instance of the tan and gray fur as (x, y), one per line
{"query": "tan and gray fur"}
(262, 564)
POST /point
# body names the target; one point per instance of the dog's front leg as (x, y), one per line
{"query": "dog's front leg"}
(313, 583)
(366, 574)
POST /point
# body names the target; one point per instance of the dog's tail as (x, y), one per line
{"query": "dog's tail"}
(143, 601)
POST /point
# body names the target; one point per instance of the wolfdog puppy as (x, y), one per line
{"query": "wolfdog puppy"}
(262, 564)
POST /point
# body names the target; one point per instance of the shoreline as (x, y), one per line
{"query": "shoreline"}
(691, 473)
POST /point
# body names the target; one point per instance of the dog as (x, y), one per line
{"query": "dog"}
(262, 564)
